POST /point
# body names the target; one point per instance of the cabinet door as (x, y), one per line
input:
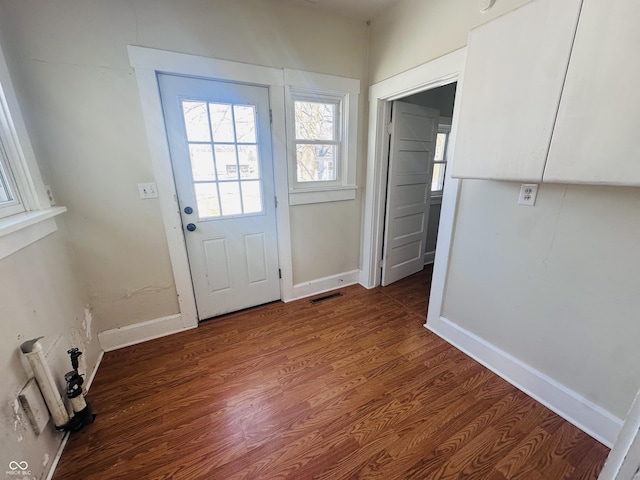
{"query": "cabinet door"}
(513, 78)
(596, 139)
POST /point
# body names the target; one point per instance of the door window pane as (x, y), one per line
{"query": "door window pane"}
(221, 122)
(245, 117)
(226, 164)
(251, 197)
(248, 160)
(195, 121)
(207, 200)
(441, 143)
(201, 162)
(230, 198)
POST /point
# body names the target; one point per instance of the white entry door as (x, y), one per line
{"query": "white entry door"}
(413, 140)
(220, 142)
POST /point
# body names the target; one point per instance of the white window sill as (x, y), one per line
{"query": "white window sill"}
(18, 231)
(337, 194)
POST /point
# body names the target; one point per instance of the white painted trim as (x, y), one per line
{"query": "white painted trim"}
(336, 194)
(19, 231)
(581, 412)
(147, 62)
(347, 90)
(65, 438)
(325, 284)
(141, 332)
(622, 454)
(441, 71)
(429, 257)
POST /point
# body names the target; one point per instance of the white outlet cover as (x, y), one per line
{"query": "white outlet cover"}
(528, 194)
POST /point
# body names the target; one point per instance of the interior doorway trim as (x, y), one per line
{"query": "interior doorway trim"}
(441, 71)
(147, 62)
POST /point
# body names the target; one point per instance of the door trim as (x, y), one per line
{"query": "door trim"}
(441, 71)
(146, 63)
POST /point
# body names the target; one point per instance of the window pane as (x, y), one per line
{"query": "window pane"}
(437, 180)
(221, 122)
(245, 123)
(315, 121)
(441, 143)
(195, 121)
(248, 159)
(230, 198)
(315, 162)
(207, 199)
(201, 162)
(226, 165)
(251, 197)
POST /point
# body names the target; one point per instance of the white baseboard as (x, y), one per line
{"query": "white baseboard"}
(429, 257)
(65, 438)
(573, 407)
(141, 332)
(321, 285)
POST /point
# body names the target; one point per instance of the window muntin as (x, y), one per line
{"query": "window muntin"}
(225, 164)
(317, 141)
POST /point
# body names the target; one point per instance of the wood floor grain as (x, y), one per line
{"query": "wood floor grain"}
(352, 387)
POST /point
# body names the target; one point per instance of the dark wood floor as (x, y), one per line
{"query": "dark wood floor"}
(352, 387)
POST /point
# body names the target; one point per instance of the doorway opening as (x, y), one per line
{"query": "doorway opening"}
(418, 150)
(440, 72)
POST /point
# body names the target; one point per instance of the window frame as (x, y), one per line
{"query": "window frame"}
(33, 220)
(444, 128)
(301, 85)
(339, 129)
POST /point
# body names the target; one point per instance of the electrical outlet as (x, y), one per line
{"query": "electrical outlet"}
(148, 190)
(528, 194)
(52, 200)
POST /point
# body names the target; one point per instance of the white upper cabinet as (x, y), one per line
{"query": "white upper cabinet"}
(597, 135)
(515, 69)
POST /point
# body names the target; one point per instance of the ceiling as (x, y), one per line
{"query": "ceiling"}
(358, 9)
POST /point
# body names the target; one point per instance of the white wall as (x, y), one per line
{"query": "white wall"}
(81, 102)
(40, 295)
(554, 285)
(413, 32)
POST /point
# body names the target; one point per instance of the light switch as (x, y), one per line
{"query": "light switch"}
(148, 190)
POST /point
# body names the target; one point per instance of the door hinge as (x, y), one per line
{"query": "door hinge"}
(390, 128)
(279, 273)
(270, 116)
(380, 263)
(275, 199)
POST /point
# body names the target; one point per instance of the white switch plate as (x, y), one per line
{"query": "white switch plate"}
(148, 190)
(528, 194)
(34, 407)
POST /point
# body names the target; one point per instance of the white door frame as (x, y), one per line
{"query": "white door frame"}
(147, 62)
(441, 71)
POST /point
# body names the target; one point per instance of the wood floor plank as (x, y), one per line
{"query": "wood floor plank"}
(353, 387)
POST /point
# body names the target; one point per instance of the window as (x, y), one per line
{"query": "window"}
(440, 159)
(317, 139)
(25, 213)
(322, 129)
(223, 148)
(10, 203)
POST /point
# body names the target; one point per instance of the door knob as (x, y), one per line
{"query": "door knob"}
(191, 227)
